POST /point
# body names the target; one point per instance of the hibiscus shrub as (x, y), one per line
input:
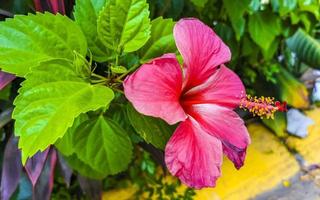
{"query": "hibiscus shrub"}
(119, 87)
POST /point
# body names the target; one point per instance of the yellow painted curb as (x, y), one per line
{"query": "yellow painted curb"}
(120, 194)
(268, 164)
(309, 146)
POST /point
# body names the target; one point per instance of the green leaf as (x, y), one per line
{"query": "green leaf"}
(269, 53)
(306, 48)
(278, 125)
(161, 40)
(25, 41)
(294, 17)
(284, 6)
(248, 46)
(227, 35)
(64, 144)
(263, 28)
(291, 90)
(5, 93)
(306, 21)
(235, 10)
(152, 130)
(84, 169)
(311, 6)
(118, 69)
(86, 15)
(199, 3)
(255, 5)
(53, 95)
(108, 147)
(124, 25)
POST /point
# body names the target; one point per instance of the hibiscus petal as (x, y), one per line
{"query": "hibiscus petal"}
(193, 155)
(155, 88)
(235, 154)
(225, 125)
(202, 50)
(224, 88)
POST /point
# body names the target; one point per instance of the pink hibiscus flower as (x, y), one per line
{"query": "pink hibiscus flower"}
(202, 96)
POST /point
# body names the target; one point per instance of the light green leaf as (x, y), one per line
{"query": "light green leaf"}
(52, 96)
(118, 69)
(235, 10)
(152, 130)
(306, 48)
(86, 15)
(124, 25)
(64, 144)
(161, 40)
(312, 6)
(25, 41)
(263, 28)
(108, 148)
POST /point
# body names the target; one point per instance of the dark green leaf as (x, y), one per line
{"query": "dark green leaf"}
(263, 28)
(108, 148)
(86, 14)
(306, 48)
(284, 6)
(161, 40)
(83, 168)
(153, 130)
(199, 3)
(235, 10)
(64, 144)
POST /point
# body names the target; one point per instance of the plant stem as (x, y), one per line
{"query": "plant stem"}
(99, 76)
(128, 72)
(118, 90)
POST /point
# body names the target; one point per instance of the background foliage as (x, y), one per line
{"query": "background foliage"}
(273, 43)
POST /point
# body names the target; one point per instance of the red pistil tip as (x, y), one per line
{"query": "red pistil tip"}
(262, 106)
(282, 107)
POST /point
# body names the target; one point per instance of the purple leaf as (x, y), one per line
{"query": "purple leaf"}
(91, 188)
(57, 6)
(11, 169)
(53, 6)
(35, 164)
(38, 5)
(44, 185)
(5, 117)
(5, 79)
(65, 170)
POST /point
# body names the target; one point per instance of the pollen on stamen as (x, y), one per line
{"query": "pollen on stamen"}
(262, 106)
